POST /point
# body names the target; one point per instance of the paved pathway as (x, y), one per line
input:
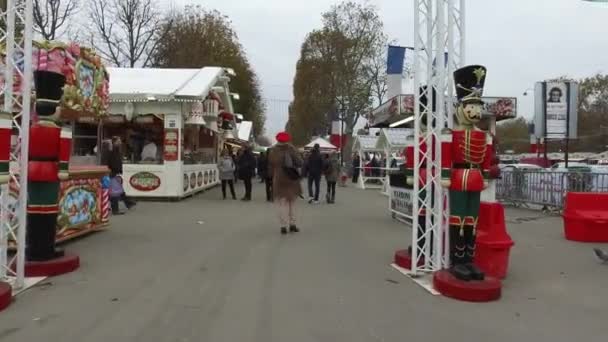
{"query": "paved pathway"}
(159, 275)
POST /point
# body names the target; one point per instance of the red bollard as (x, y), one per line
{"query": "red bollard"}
(493, 242)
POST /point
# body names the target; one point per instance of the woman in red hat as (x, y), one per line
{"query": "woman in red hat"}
(285, 163)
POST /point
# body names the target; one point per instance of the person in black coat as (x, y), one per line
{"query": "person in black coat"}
(262, 167)
(314, 168)
(246, 169)
(356, 168)
(265, 174)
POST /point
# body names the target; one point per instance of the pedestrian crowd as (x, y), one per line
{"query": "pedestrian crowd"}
(281, 168)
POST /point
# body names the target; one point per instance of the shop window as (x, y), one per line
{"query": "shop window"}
(199, 145)
(84, 144)
(142, 139)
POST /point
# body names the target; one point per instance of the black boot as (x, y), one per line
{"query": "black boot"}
(476, 273)
(293, 229)
(283, 230)
(459, 267)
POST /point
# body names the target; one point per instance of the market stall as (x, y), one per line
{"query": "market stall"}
(391, 142)
(82, 206)
(174, 123)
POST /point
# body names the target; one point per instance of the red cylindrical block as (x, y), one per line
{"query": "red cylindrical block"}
(43, 171)
(44, 142)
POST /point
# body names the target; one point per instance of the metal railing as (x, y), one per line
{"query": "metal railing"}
(546, 188)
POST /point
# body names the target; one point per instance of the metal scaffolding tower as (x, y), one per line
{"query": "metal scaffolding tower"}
(16, 31)
(438, 50)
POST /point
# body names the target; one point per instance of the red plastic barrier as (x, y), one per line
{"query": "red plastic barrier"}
(493, 242)
(586, 216)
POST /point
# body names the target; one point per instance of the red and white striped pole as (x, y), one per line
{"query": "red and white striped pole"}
(105, 205)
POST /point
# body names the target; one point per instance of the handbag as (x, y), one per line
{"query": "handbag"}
(290, 169)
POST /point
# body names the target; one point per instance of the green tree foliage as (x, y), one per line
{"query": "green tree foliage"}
(592, 115)
(513, 135)
(337, 70)
(196, 38)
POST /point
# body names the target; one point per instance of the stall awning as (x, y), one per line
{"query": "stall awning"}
(366, 143)
(244, 130)
(323, 144)
(393, 138)
(157, 84)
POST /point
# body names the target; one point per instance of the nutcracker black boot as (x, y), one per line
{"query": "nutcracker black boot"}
(459, 267)
(469, 237)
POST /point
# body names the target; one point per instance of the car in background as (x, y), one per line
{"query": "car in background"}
(572, 167)
(520, 167)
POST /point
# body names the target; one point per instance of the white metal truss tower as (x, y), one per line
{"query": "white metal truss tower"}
(16, 31)
(438, 51)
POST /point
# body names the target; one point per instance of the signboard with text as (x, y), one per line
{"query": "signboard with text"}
(556, 112)
(402, 201)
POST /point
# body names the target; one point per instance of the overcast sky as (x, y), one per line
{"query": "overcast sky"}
(519, 41)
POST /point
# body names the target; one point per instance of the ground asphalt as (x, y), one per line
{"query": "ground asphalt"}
(209, 270)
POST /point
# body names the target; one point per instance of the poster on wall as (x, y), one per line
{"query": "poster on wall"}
(171, 144)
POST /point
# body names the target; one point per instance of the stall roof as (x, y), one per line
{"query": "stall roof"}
(323, 144)
(144, 82)
(366, 143)
(393, 138)
(244, 130)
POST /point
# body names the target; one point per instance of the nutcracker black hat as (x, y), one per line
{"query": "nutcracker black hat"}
(49, 90)
(469, 82)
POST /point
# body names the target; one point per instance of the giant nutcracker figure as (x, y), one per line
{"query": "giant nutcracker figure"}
(466, 162)
(49, 153)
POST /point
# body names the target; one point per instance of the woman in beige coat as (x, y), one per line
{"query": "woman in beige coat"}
(286, 190)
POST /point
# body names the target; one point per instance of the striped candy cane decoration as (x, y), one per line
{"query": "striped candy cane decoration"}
(105, 205)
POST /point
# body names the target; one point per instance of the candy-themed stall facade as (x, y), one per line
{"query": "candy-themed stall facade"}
(173, 124)
(83, 205)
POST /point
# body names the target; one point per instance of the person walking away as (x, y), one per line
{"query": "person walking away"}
(226, 167)
(268, 176)
(332, 168)
(114, 163)
(314, 169)
(246, 170)
(235, 159)
(356, 168)
(262, 167)
(284, 164)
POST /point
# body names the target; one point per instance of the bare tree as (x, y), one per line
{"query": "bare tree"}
(126, 30)
(51, 15)
(376, 73)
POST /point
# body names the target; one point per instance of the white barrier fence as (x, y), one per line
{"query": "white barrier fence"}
(546, 188)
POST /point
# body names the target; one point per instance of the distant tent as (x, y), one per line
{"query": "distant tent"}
(325, 145)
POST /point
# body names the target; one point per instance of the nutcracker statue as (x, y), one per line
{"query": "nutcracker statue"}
(466, 162)
(6, 127)
(48, 157)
